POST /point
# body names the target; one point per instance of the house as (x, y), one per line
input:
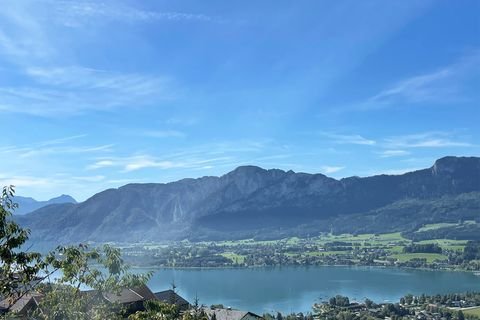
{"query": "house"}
(171, 297)
(131, 298)
(230, 314)
(23, 306)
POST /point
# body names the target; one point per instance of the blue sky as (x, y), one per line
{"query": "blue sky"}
(98, 94)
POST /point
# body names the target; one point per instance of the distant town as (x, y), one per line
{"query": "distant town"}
(390, 249)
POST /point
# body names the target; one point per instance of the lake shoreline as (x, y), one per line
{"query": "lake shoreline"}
(475, 272)
(287, 288)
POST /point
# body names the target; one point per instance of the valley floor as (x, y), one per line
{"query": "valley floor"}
(390, 249)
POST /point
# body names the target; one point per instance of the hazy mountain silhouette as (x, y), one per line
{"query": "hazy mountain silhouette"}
(251, 201)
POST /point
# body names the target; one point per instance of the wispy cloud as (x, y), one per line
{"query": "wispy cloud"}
(54, 147)
(349, 139)
(61, 140)
(101, 164)
(81, 13)
(164, 134)
(426, 140)
(416, 89)
(23, 36)
(208, 156)
(393, 153)
(73, 90)
(96, 178)
(331, 169)
(444, 85)
(51, 85)
(142, 162)
(24, 181)
(39, 181)
(32, 151)
(138, 162)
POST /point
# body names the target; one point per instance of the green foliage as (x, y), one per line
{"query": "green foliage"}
(18, 268)
(100, 269)
(472, 250)
(156, 310)
(423, 248)
(66, 302)
(339, 301)
(80, 266)
(196, 313)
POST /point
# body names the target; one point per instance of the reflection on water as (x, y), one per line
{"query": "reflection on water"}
(295, 289)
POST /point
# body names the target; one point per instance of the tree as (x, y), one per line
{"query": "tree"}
(156, 310)
(196, 313)
(368, 303)
(100, 269)
(460, 315)
(19, 269)
(409, 299)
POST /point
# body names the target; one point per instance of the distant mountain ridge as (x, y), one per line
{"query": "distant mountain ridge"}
(251, 201)
(27, 204)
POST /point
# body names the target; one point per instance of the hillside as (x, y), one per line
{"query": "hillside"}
(251, 201)
(27, 204)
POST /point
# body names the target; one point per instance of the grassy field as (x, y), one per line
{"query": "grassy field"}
(435, 226)
(362, 239)
(472, 311)
(236, 258)
(447, 244)
(387, 248)
(402, 257)
(327, 253)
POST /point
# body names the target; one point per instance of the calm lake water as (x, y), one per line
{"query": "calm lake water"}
(295, 289)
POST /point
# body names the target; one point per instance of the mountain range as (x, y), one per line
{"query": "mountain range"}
(27, 205)
(254, 202)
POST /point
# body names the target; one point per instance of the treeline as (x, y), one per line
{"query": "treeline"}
(410, 307)
(422, 248)
(472, 251)
(464, 300)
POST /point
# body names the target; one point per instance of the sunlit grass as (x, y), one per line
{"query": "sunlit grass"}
(235, 258)
(431, 257)
(472, 311)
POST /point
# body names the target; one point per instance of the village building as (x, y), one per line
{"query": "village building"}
(171, 297)
(230, 314)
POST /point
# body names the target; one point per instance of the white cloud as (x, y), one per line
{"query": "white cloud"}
(426, 140)
(34, 151)
(182, 121)
(331, 169)
(145, 161)
(24, 181)
(349, 139)
(82, 13)
(416, 89)
(142, 162)
(61, 140)
(51, 87)
(22, 35)
(101, 164)
(164, 134)
(96, 178)
(440, 86)
(393, 153)
(73, 90)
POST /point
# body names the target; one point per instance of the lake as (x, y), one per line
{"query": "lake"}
(295, 289)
